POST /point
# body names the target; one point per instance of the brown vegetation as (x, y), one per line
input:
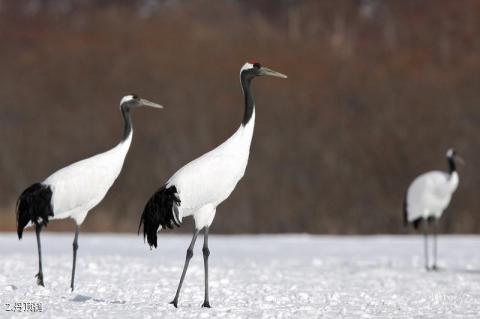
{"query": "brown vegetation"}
(377, 91)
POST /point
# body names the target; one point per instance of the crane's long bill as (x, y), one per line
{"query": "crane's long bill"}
(267, 71)
(145, 102)
(460, 160)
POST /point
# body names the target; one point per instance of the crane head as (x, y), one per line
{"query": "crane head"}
(132, 100)
(252, 69)
(452, 154)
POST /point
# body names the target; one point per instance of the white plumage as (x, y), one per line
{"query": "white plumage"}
(208, 180)
(79, 187)
(74, 190)
(428, 196)
(201, 185)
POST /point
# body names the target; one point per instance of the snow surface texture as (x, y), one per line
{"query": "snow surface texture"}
(279, 276)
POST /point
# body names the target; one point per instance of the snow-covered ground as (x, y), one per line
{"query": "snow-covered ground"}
(279, 276)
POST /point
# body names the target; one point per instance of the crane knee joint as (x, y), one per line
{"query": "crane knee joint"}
(189, 253)
(206, 251)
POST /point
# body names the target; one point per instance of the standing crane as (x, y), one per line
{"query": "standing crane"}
(426, 199)
(74, 190)
(201, 185)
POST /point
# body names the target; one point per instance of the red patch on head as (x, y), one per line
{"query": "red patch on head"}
(253, 62)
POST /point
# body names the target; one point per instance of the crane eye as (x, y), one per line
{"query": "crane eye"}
(257, 65)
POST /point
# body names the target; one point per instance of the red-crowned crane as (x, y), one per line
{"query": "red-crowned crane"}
(74, 190)
(201, 185)
(426, 199)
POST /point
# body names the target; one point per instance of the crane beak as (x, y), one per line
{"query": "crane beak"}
(460, 160)
(267, 71)
(144, 102)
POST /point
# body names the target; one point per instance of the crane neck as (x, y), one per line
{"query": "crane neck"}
(127, 122)
(249, 101)
(451, 165)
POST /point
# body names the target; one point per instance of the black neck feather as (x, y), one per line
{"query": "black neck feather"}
(249, 102)
(451, 165)
(127, 122)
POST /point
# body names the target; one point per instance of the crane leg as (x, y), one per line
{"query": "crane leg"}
(425, 236)
(206, 253)
(75, 248)
(189, 255)
(38, 229)
(434, 267)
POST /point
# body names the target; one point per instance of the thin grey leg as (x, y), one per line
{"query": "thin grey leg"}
(187, 260)
(38, 229)
(434, 267)
(206, 253)
(425, 235)
(75, 248)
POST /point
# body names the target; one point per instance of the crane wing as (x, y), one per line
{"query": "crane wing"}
(82, 185)
(207, 180)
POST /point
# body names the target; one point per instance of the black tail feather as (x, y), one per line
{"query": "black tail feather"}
(159, 211)
(34, 205)
(416, 223)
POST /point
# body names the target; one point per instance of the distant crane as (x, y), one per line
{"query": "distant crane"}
(426, 199)
(201, 185)
(74, 190)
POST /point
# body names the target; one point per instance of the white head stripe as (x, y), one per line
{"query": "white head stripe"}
(246, 66)
(126, 98)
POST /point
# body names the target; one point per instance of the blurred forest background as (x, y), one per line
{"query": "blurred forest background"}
(377, 92)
